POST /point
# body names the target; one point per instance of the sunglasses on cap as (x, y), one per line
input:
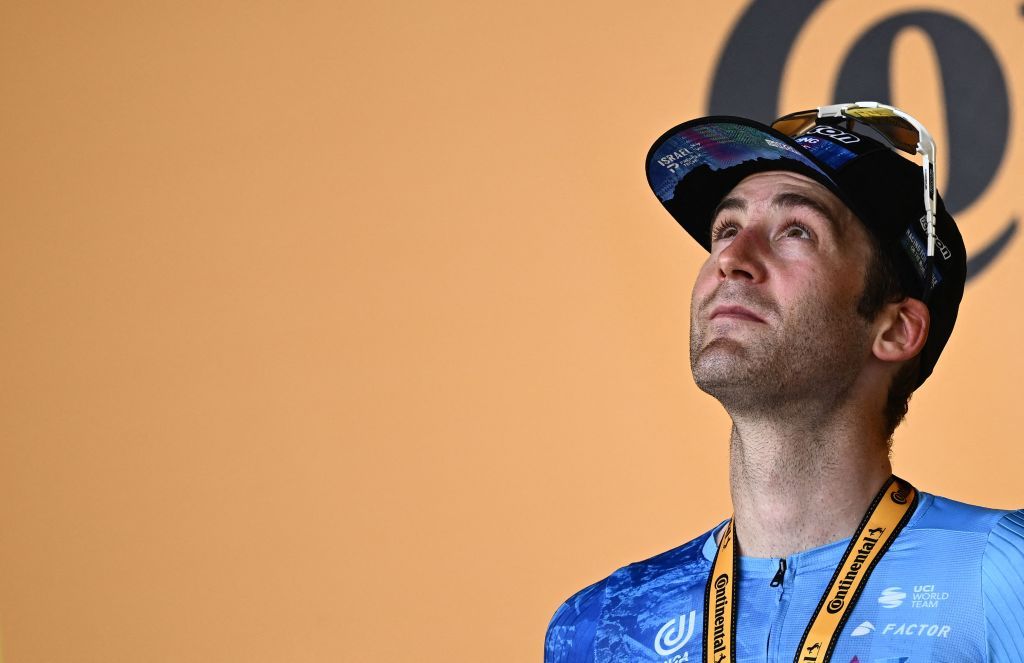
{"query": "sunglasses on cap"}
(900, 129)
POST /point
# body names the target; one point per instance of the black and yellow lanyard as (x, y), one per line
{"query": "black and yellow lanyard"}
(887, 515)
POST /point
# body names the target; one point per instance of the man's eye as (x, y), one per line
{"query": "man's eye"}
(796, 230)
(724, 230)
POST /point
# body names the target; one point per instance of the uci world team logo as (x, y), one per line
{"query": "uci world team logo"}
(674, 635)
(857, 55)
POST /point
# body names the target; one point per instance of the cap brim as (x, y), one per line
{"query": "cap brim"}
(692, 166)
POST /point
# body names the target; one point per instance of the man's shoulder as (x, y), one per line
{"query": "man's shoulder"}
(572, 633)
(1002, 576)
(680, 566)
(944, 513)
(686, 562)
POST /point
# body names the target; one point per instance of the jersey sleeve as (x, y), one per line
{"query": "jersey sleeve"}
(572, 631)
(1002, 578)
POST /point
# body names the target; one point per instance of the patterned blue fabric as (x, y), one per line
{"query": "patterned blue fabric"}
(949, 589)
(1002, 576)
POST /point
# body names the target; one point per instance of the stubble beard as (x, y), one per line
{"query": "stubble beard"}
(804, 363)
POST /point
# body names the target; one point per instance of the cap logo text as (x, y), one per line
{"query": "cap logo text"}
(835, 134)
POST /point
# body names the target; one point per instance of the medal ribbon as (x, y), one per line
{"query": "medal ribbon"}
(887, 515)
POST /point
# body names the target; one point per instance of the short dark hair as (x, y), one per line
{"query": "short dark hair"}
(882, 286)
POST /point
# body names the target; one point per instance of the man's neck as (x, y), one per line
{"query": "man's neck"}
(796, 487)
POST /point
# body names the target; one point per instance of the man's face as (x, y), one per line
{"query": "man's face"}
(774, 308)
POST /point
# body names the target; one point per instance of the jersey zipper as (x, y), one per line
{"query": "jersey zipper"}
(780, 574)
(781, 608)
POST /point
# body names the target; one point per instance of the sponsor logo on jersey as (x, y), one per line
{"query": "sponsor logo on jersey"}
(863, 629)
(674, 635)
(678, 658)
(892, 597)
(914, 629)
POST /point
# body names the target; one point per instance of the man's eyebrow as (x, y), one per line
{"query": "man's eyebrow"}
(794, 199)
(730, 202)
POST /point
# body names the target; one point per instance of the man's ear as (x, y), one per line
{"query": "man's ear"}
(901, 330)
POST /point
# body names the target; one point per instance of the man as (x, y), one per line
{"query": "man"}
(832, 283)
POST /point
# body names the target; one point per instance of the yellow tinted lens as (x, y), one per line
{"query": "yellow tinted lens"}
(898, 131)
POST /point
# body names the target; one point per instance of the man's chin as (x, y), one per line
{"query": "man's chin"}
(720, 365)
(721, 349)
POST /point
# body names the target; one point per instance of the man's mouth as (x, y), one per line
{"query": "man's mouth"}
(736, 313)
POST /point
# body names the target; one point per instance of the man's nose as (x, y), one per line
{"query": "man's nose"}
(743, 257)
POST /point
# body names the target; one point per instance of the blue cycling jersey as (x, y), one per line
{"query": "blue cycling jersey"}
(951, 588)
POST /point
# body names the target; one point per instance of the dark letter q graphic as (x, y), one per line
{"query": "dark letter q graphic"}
(750, 71)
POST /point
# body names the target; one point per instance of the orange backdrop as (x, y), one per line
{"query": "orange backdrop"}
(352, 331)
